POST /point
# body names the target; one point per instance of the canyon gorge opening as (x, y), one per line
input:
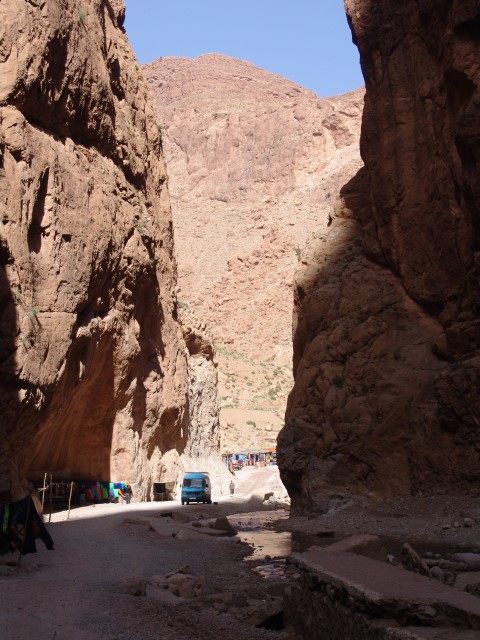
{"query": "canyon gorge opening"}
(158, 223)
(96, 368)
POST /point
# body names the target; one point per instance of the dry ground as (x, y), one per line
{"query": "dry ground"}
(71, 593)
(420, 520)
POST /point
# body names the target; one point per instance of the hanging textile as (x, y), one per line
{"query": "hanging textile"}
(21, 526)
(102, 492)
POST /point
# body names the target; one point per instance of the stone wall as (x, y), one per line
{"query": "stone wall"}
(340, 596)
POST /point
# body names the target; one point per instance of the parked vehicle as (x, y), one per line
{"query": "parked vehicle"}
(196, 487)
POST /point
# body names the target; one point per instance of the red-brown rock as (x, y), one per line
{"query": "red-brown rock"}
(92, 360)
(387, 365)
(253, 161)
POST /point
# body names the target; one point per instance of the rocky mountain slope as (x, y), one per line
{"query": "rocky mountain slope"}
(92, 360)
(387, 365)
(254, 162)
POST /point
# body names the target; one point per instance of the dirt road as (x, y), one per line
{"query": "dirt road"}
(75, 591)
(252, 481)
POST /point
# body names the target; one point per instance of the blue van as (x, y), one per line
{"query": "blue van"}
(196, 487)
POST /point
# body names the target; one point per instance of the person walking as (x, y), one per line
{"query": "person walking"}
(128, 492)
(232, 488)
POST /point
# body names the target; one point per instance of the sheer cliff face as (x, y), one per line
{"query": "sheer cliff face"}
(244, 149)
(387, 326)
(92, 361)
(203, 400)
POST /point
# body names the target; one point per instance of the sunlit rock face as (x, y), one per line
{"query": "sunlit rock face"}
(387, 326)
(92, 360)
(244, 151)
(203, 400)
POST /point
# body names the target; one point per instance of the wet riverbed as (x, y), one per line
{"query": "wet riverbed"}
(270, 548)
(273, 544)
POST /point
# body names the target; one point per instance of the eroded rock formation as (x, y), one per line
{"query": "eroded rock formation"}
(244, 150)
(203, 401)
(387, 335)
(92, 359)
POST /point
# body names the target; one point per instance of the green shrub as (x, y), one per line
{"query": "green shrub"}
(141, 226)
(32, 312)
(24, 341)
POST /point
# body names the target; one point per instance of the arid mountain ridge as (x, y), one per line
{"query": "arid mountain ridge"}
(254, 162)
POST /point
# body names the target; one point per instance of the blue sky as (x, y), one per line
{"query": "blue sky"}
(307, 41)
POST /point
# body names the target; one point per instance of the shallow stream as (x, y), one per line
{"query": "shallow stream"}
(270, 548)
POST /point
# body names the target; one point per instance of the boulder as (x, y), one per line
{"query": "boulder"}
(177, 516)
(189, 533)
(185, 585)
(179, 585)
(165, 527)
(184, 569)
(223, 524)
(437, 573)
(465, 581)
(471, 560)
(364, 544)
(162, 594)
(132, 587)
(258, 612)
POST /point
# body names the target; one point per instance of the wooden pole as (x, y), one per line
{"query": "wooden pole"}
(50, 493)
(70, 499)
(44, 489)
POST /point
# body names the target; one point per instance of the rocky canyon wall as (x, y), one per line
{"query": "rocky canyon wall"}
(244, 151)
(92, 359)
(387, 313)
(203, 401)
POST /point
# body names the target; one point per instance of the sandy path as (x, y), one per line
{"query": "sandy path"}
(252, 481)
(69, 593)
